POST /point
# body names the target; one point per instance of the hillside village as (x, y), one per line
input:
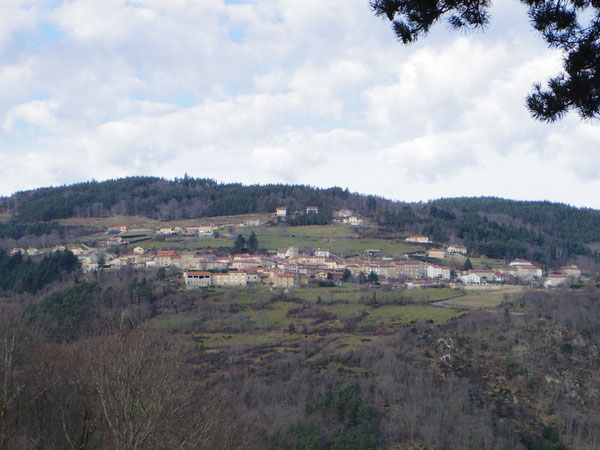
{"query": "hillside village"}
(286, 268)
(425, 307)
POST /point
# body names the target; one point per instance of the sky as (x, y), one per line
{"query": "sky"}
(295, 91)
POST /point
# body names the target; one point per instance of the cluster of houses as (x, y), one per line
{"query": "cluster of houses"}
(117, 237)
(31, 251)
(196, 230)
(288, 267)
(343, 216)
(453, 249)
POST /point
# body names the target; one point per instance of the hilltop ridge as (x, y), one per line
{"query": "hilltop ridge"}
(550, 233)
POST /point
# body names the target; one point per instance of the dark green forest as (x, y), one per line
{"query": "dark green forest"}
(164, 199)
(16, 230)
(21, 274)
(549, 233)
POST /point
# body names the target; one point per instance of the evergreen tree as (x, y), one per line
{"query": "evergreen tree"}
(239, 244)
(468, 265)
(373, 277)
(347, 275)
(252, 243)
(570, 25)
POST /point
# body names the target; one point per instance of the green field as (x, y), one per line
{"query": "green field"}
(254, 313)
(405, 314)
(255, 326)
(340, 240)
(354, 293)
(484, 299)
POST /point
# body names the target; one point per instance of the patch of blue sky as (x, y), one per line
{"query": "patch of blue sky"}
(237, 36)
(185, 101)
(141, 97)
(144, 76)
(22, 129)
(237, 2)
(50, 31)
(53, 4)
(36, 97)
(43, 34)
(182, 100)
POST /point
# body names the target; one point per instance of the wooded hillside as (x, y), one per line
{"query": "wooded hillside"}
(550, 233)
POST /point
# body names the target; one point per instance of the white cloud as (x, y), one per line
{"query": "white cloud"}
(16, 16)
(278, 90)
(431, 157)
(291, 156)
(41, 113)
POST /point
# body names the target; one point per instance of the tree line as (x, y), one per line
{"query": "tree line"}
(550, 233)
(166, 199)
(21, 274)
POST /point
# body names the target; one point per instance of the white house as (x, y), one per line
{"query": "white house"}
(353, 220)
(519, 262)
(435, 271)
(281, 212)
(436, 253)
(470, 278)
(252, 222)
(556, 280)
(201, 229)
(322, 252)
(312, 209)
(195, 279)
(416, 239)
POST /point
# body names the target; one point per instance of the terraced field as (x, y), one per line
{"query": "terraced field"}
(330, 319)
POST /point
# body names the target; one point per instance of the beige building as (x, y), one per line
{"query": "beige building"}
(165, 258)
(528, 272)
(284, 280)
(439, 253)
(252, 222)
(234, 278)
(412, 269)
(166, 230)
(281, 212)
(457, 249)
(571, 271)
